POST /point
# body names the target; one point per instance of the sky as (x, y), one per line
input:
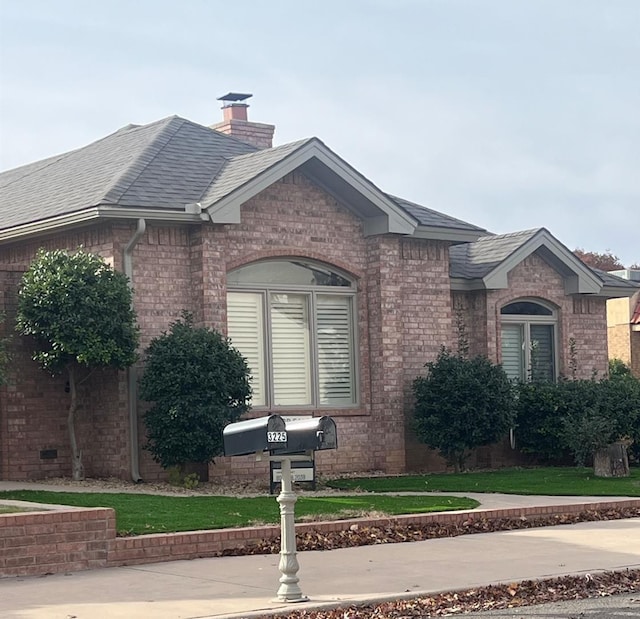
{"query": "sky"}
(509, 114)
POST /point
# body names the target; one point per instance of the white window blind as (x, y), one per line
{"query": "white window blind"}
(335, 351)
(290, 349)
(513, 357)
(245, 329)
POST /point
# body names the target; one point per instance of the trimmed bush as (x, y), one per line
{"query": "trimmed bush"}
(198, 384)
(462, 404)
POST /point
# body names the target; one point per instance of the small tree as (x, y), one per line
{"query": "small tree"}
(462, 404)
(198, 384)
(79, 311)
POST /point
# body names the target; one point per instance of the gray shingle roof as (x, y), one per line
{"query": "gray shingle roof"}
(429, 217)
(242, 168)
(477, 259)
(609, 279)
(165, 164)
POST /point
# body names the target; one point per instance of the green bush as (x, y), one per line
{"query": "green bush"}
(617, 367)
(462, 404)
(577, 416)
(198, 384)
(538, 430)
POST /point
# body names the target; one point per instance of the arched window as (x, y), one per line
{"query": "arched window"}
(293, 320)
(528, 332)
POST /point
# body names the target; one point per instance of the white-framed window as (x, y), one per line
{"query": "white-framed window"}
(293, 321)
(528, 333)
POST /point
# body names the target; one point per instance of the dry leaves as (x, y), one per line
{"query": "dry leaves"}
(358, 535)
(494, 597)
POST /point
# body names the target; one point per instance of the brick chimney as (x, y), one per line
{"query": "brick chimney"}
(235, 123)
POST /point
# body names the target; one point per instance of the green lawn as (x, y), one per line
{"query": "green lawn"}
(145, 513)
(571, 481)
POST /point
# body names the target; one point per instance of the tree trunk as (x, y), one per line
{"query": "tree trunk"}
(77, 468)
(611, 461)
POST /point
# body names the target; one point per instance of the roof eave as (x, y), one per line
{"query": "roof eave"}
(388, 217)
(455, 235)
(78, 218)
(616, 292)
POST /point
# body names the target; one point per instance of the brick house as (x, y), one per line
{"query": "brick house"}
(336, 292)
(623, 324)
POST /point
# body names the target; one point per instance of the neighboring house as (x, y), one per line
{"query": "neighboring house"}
(623, 324)
(336, 292)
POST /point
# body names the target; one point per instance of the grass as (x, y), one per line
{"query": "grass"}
(137, 514)
(570, 481)
(10, 509)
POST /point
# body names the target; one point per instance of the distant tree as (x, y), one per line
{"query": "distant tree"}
(635, 266)
(198, 383)
(462, 404)
(78, 309)
(604, 261)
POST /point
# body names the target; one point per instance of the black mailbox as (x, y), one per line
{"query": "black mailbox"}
(311, 434)
(255, 436)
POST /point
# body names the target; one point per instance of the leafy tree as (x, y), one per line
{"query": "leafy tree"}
(605, 261)
(198, 384)
(462, 404)
(79, 311)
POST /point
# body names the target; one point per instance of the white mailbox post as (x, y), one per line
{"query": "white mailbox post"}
(279, 439)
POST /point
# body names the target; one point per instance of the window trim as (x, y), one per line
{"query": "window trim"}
(526, 320)
(312, 291)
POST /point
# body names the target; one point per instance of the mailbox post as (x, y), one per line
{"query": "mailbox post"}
(272, 435)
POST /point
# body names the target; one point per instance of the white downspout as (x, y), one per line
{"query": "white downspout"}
(132, 374)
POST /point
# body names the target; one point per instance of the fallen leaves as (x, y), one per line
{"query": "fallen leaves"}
(390, 532)
(494, 597)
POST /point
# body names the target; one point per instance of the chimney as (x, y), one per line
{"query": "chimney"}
(235, 123)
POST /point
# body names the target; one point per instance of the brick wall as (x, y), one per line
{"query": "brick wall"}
(70, 540)
(50, 542)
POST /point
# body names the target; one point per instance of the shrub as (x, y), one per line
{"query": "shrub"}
(198, 384)
(538, 428)
(617, 367)
(462, 404)
(577, 416)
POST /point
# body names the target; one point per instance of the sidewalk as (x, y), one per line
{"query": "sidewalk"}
(246, 586)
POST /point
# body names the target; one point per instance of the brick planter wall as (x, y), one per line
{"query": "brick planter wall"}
(74, 539)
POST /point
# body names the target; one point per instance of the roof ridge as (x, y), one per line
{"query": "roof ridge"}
(109, 194)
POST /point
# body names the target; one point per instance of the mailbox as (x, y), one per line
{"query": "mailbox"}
(255, 436)
(313, 434)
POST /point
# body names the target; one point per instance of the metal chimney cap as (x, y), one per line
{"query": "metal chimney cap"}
(235, 97)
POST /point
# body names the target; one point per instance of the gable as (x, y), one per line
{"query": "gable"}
(486, 263)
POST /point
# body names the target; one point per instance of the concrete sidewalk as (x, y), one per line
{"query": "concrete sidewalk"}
(246, 586)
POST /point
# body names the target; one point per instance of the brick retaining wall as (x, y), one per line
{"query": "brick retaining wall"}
(74, 539)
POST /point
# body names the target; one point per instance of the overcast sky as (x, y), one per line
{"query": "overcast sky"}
(509, 114)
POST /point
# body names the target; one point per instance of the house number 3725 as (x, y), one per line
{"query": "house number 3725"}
(276, 437)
